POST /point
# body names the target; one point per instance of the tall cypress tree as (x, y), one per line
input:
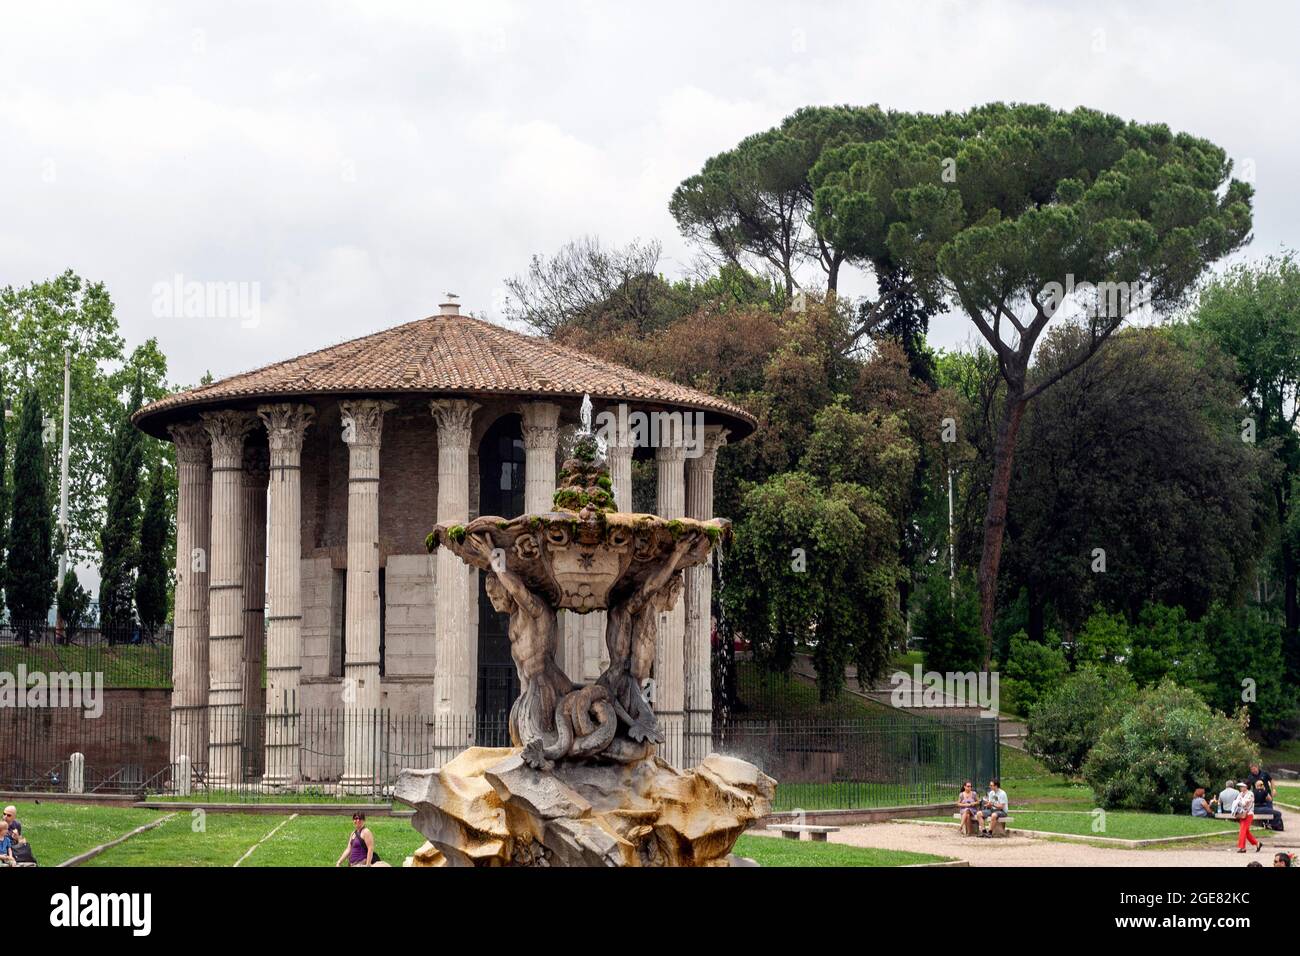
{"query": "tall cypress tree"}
(4, 495)
(31, 566)
(120, 554)
(151, 581)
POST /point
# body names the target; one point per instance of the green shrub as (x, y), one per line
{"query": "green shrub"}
(1162, 747)
(1030, 671)
(1069, 718)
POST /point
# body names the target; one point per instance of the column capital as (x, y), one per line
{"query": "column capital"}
(455, 418)
(541, 424)
(193, 445)
(227, 431)
(670, 454)
(715, 436)
(286, 424)
(363, 421)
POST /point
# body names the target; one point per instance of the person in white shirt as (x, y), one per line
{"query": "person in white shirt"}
(1243, 809)
(995, 805)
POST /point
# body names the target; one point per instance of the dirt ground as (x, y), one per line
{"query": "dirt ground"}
(1034, 851)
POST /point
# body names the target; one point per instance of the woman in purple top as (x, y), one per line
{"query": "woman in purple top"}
(968, 802)
(361, 844)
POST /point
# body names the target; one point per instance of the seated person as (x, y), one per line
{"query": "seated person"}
(968, 802)
(1264, 804)
(21, 852)
(1200, 808)
(11, 818)
(995, 805)
(1224, 801)
(1257, 775)
(6, 845)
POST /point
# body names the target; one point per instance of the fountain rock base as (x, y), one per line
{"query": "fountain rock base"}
(487, 807)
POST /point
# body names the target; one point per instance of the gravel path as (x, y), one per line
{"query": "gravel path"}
(1032, 851)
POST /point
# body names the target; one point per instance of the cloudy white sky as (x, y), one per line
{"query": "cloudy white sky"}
(358, 160)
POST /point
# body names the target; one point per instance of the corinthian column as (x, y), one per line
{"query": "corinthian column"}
(256, 472)
(541, 435)
(699, 605)
(455, 641)
(669, 649)
(363, 425)
(285, 425)
(226, 430)
(190, 641)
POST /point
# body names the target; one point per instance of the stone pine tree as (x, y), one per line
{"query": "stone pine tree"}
(118, 545)
(1014, 214)
(31, 567)
(4, 494)
(151, 579)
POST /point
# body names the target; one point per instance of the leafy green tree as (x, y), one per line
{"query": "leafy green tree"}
(73, 603)
(1013, 212)
(151, 581)
(947, 622)
(1136, 454)
(1030, 670)
(1252, 312)
(750, 205)
(119, 549)
(32, 567)
(1069, 718)
(1163, 746)
(815, 566)
(1167, 646)
(39, 321)
(4, 490)
(1250, 671)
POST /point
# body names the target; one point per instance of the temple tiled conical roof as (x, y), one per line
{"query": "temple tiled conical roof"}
(441, 355)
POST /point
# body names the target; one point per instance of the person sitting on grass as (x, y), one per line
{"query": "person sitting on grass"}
(1200, 808)
(1243, 810)
(360, 850)
(6, 846)
(968, 803)
(21, 852)
(995, 805)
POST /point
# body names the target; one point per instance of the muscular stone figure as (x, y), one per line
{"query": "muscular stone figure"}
(630, 636)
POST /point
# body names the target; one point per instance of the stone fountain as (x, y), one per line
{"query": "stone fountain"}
(583, 784)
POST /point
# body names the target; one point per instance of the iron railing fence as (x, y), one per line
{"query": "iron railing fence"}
(125, 656)
(894, 760)
(323, 755)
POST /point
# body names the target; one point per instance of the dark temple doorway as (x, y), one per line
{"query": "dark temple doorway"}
(501, 493)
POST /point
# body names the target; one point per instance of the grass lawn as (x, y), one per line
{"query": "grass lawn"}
(768, 851)
(787, 697)
(1030, 785)
(123, 665)
(1287, 793)
(1286, 755)
(318, 841)
(1120, 824)
(222, 841)
(58, 831)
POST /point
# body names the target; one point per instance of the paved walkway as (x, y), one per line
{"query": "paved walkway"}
(1031, 851)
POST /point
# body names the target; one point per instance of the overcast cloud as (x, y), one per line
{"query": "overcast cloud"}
(359, 160)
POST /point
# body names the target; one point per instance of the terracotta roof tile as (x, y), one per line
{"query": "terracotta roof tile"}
(437, 355)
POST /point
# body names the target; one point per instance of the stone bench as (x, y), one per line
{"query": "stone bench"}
(1258, 816)
(792, 831)
(998, 827)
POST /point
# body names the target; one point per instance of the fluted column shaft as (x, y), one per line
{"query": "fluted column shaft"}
(285, 426)
(256, 473)
(189, 710)
(669, 649)
(226, 595)
(699, 606)
(363, 423)
(541, 437)
(455, 679)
